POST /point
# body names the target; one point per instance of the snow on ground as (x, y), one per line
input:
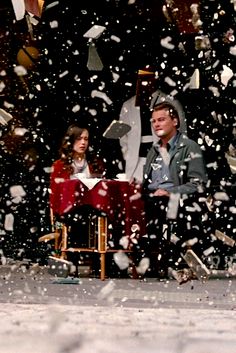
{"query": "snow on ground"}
(37, 328)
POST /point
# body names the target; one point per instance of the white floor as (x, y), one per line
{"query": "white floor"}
(29, 328)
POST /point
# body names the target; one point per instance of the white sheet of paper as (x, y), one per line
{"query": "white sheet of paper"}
(90, 182)
(116, 129)
(94, 32)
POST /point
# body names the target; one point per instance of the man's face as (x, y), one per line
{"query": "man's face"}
(163, 125)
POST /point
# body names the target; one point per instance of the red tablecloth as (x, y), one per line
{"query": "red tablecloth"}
(119, 200)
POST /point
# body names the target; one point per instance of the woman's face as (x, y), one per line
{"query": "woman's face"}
(81, 144)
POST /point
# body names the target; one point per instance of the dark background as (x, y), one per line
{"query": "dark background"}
(43, 100)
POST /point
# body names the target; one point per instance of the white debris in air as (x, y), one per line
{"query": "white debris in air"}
(216, 63)
(214, 90)
(5, 117)
(143, 265)
(163, 65)
(209, 251)
(102, 85)
(194, 208)
(213, 165)
(124, 242)
(48, 170)
(222, 196)
(170, 82)
(94, 32)
(102, 95)
(232, 50)
(115, 38)
(115, 76)
(173, 93)
(226, 75)
(66, 72)
(232, 209)
(54, 24)
(173, 206)
(122, 260)
(54, 3)
(102, 192)
(9, 221)
(135, 228)
(174, 239)
(8, 105)
(208, 140)
(20, 131)
(93, 112)
(165, 42)
(2, 86)
(76, 108)
(17, 190)
(190, 242)
(20, 70)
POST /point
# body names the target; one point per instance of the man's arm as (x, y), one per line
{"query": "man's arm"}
(193, 176)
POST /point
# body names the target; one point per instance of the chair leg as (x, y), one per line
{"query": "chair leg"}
(102, 245)
(103, 266)
(102, 233)
(64, 242)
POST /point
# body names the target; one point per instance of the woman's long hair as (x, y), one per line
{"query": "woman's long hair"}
(67, 147)
(73, 133)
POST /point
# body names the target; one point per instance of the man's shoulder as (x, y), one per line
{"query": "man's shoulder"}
(185, 140)
(189, 144)
(153, 150)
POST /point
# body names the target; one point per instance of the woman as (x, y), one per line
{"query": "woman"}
(75, 161)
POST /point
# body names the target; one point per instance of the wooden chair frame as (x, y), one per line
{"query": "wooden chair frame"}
(60, 237)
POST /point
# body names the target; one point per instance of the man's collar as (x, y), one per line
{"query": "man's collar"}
(171, 143)
(173, 140)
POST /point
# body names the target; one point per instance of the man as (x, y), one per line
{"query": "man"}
(136, 113)
(174, 171)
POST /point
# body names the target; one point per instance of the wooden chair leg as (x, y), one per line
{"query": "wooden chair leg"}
(102, 245)
(103, 266)
(102, 233)
(64, 236)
